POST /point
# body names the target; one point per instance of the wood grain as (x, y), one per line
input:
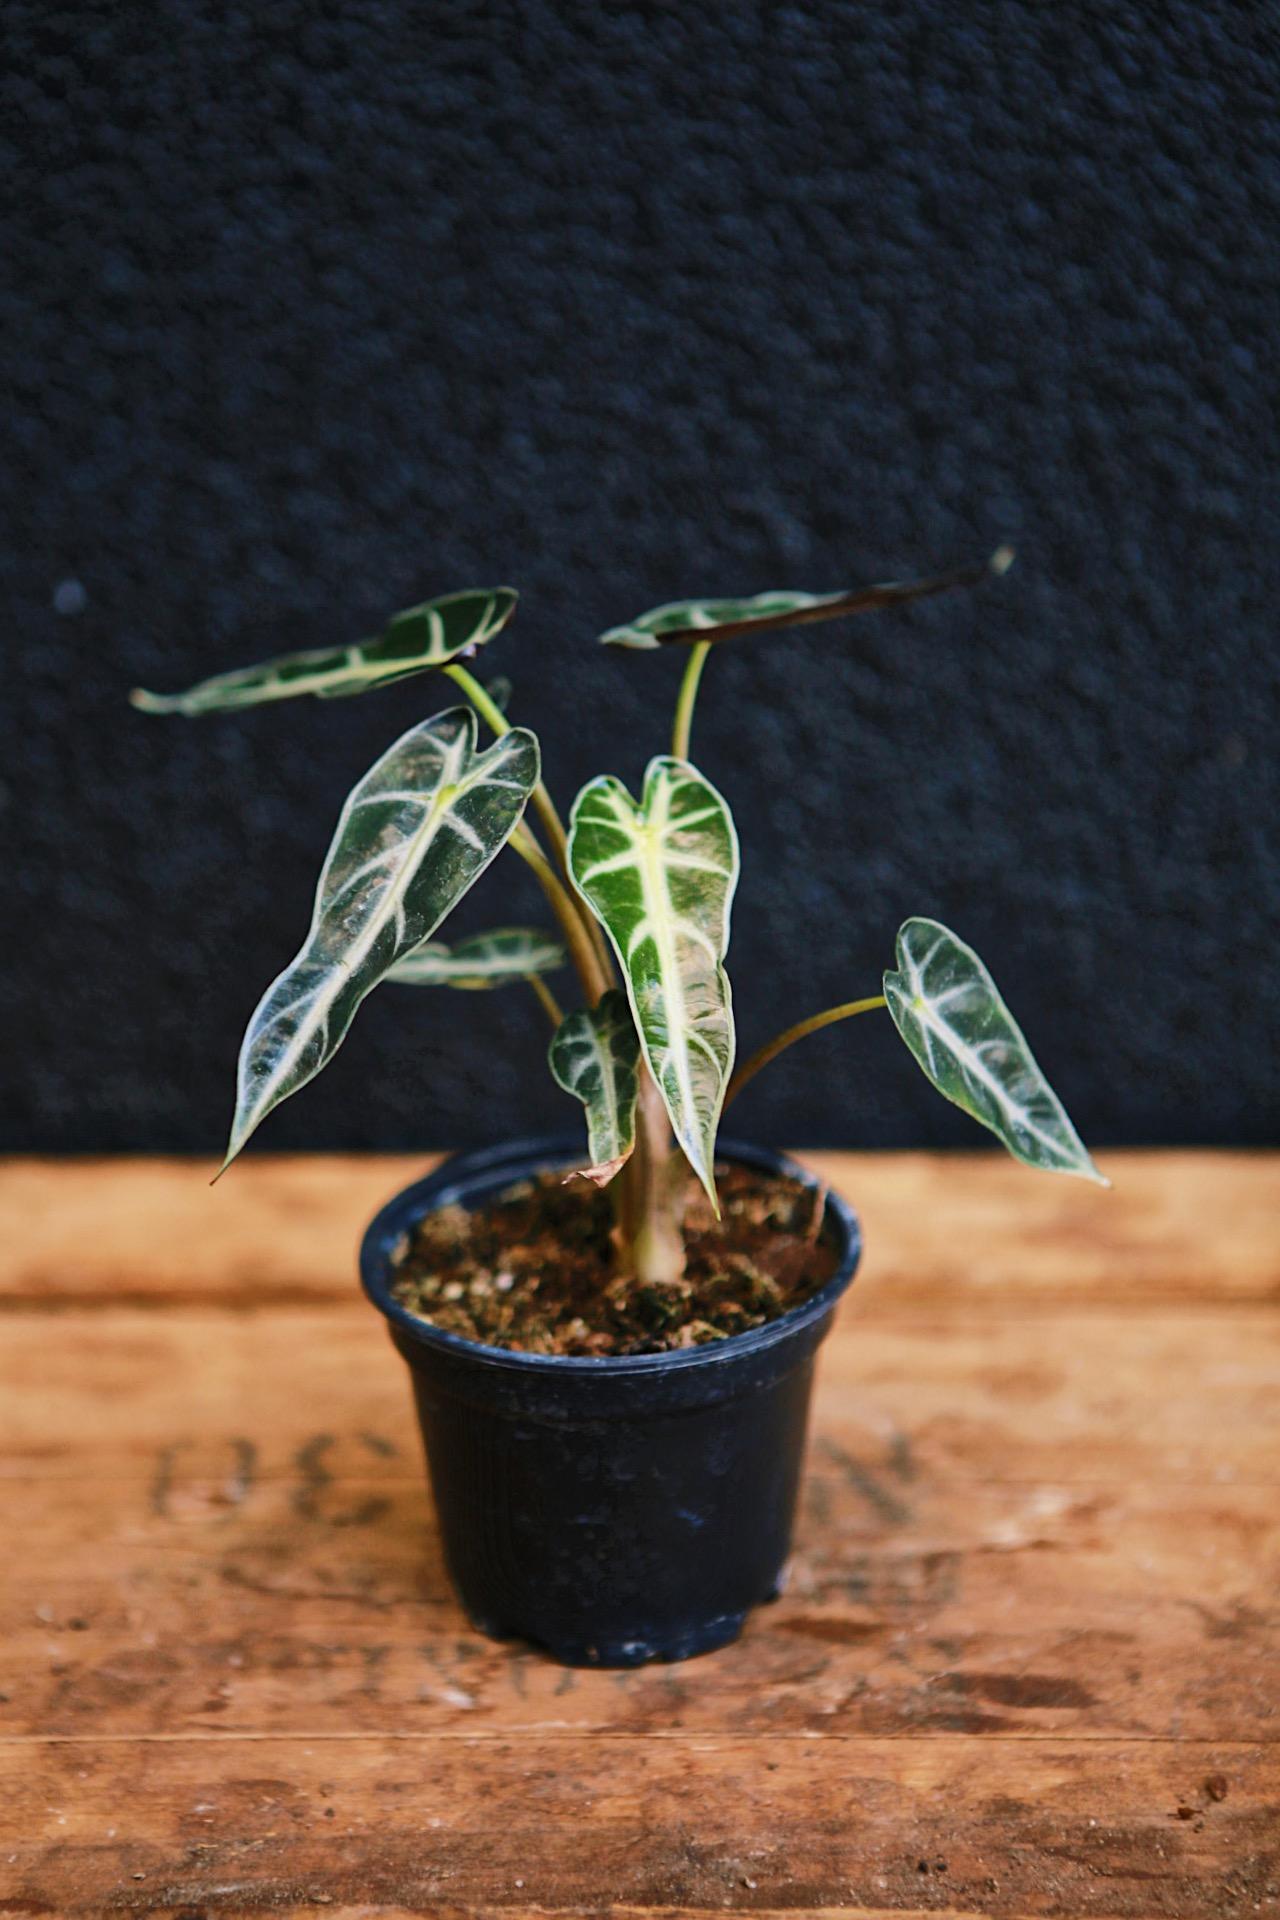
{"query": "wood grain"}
(1028, 1661)
(284, 1228)
(1186, 1395)
(565, 1823)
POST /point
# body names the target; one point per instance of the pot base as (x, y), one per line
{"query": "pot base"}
(702, 1636)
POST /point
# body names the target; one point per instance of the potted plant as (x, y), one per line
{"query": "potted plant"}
(611, 1352)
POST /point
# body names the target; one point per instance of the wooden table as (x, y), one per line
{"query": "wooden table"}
(1027, 1663)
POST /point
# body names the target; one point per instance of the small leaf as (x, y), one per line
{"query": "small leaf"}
(419, 639)
(660, 878)
(595, 1056)
(480, 961)
(415, 832)
(948, 1009)
(681, 622)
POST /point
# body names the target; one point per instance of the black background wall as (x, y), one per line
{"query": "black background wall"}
(310, 311)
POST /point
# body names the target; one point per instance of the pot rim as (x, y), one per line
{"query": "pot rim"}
(491, 1168)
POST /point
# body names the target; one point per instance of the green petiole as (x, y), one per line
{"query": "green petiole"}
(779, 1044)
(686, 699)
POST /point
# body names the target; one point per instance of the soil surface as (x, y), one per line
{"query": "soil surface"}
(536, 1269)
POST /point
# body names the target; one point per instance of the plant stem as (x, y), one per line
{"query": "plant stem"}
(572, 923)
(544, 806)
(688, 694)
(763, 1055)
(483, 702)
(644, 1201)
(656, 1245)
(490, 711)
(550, 1005)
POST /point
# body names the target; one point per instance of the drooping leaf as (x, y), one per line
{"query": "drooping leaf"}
(416, 640)
(948, 1009)
(480, 961)
(595, 1055)
(415, 832)
(660, 876)
(681, 622)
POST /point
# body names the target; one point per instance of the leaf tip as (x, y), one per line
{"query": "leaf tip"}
(147, 702)
(234, 1146)
(1001, 560)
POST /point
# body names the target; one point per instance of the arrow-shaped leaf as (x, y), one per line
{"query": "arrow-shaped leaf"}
(595, 1056)
(681, 622)
(948, 1009)
(482, 960)
(660, 878)
(420, 638)
(415, 832)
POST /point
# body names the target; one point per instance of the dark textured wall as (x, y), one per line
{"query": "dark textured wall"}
(312, 310)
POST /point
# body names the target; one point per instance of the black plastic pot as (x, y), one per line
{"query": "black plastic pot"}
(611, 1510)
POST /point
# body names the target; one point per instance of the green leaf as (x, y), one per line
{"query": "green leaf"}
(420, 638)
(948, 1009)
(660, 878)
(595, 1056)
(482, 960)
(681, 622)
(415, 832)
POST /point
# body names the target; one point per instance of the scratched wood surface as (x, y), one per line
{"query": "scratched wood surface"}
(1028, 1661)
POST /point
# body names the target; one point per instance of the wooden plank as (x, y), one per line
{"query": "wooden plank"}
(997, 1827)
(284, 1228)
(1175, 1228)
(109, 1232)
(1118, 1396)
(274, 1596)
(1031, 1629)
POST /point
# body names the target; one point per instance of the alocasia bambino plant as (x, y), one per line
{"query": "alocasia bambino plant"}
(641, 888)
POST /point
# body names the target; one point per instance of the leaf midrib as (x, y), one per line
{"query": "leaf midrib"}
(357, 666)
(608, 1085)
(344, 966)
(654, 884)
(923, 1010)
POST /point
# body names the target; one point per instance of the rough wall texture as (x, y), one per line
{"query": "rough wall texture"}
(311, 310)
